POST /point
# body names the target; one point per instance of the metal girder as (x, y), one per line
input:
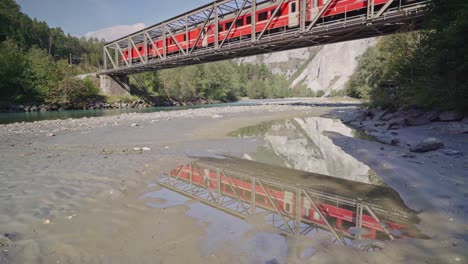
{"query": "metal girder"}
(317, 209)
(234, 22)
(273, 16)
(110, 58)
(383, 8)
(175, 41)
(371, 212)
(154, 46)
(122, 54)
(137, 51)
(202, 31)
(319, 15)
(235, 192)
(274, 206)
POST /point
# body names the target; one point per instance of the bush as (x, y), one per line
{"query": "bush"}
(72, 90)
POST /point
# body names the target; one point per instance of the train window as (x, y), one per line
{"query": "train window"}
(240, 22)
(140, 48)
(263, 16)
(249, 20)
(293, 7)
(228, 25)
(287, 207)
(220, 28)
(185, 37)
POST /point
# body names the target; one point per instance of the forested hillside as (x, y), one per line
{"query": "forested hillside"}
(426, 68)
(37, 62)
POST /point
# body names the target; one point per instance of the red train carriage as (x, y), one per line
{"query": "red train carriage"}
(287, 17)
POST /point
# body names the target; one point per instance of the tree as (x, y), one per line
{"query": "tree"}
(12, 66)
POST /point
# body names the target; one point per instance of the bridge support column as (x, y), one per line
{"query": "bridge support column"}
(114, 85)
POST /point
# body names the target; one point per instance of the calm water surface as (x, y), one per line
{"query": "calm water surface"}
(7, 118)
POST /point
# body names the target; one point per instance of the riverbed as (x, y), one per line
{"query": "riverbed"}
(86, 190)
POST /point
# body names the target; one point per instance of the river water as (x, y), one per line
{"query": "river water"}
(8, 118)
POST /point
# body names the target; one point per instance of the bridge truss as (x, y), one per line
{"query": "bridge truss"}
(378, 20)
(292, 223)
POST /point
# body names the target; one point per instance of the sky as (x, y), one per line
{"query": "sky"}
(107, 19)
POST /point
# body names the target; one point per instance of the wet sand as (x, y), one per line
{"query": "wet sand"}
(76, 191)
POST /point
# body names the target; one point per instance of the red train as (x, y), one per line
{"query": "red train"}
(341, 217)
(287, 17)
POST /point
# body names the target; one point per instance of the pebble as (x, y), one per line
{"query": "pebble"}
(134, 125)
(46, 222)
(51, 135)
(146, 149)
(137, 149)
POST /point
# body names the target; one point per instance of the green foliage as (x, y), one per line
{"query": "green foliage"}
(12, 65)
(429, 67)
(223, 81)
(34, 59)
(71, 90)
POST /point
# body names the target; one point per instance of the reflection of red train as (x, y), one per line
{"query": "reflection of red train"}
(288, 16)
(340, 216)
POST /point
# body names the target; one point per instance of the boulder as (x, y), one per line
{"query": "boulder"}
(452, 152)
(396, 123)
(387, 139)
(448, 116)
(380, 114)
(423, 119)
(389, 116)
(429, 144)
(5, 241)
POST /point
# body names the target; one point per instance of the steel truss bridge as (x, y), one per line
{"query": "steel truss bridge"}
(292, 223)
(378, 20)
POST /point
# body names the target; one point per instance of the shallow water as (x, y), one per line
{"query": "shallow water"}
(7, 118)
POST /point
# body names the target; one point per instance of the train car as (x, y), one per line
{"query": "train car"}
(287, 17)
(342, 217)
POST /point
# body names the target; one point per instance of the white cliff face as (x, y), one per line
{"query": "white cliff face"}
(325, 68)
(333, 65)
(302, 144)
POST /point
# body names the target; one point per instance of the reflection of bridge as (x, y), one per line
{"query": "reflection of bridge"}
(227, 29)
(297, 203)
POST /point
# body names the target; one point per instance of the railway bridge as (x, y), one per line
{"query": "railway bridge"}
(227, 29)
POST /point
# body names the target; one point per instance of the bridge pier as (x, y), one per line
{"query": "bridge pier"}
(114, 85)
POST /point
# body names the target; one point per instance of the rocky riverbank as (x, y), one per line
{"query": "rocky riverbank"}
(383, 125)
(100, 104)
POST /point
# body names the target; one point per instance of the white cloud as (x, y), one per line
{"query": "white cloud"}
(115, 32)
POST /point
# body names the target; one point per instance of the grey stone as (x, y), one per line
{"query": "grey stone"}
(427, 145)
(380, 114)
(450, 116)
(5, 241)
(423, 119)
(386, 139)
(452, 152)
(408, 155)
(388, 116)
(134, 125)
(396, 123)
